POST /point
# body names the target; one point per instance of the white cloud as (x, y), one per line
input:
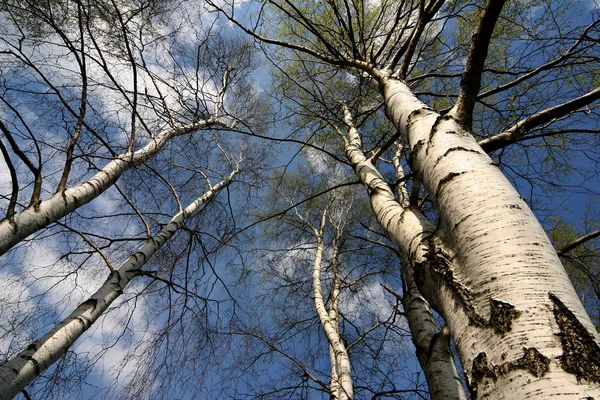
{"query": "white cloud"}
(369, 298)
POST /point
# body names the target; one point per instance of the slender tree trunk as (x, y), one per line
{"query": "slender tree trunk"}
(334, 317)
(22, 224)
(17, 373)
(342, 389)
(433, 345)
(519, 327)
(410, 231)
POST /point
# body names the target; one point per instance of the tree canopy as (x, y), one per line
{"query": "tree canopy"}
(299, 199)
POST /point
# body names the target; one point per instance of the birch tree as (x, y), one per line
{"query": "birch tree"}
(312, 100)
(319, 314)
(486, 264)
(127, 106)
(97, 70)
(30, 363)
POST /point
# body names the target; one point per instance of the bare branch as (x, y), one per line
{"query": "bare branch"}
(520, 129)
(471, 78)
(10, 211)
(578, 242)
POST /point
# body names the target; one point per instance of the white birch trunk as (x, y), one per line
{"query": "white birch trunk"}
(17, 373)
(433, 345)
(334, 318)
(344, 389)
(410, 230)
(519, 327)
(30, 220)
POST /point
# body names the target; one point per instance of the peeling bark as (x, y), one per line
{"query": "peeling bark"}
(501, 257)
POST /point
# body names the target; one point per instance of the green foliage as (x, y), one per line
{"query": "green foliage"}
(582, 263)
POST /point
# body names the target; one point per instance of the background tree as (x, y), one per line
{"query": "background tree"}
(284, 328)
(99, 92)
(467, 263)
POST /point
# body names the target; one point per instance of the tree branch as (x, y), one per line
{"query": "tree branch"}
(520, 129)
(578, 242)
(470, 82)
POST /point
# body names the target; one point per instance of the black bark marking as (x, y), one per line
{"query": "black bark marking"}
(433, 130)
(514, 206)
(445, 180)
(35, 363)
(417, 147)
(502, 316)
(90, 303)
(581, 354)
(440, 262)
(431, 346)
(480, 370)
(532, 360)
(457, 148)
(463, 219)
(32, 347)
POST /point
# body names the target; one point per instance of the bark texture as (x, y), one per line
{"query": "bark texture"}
(511, 335)
(433, 346)
(17, 373)
(411, 231)
(341, 378)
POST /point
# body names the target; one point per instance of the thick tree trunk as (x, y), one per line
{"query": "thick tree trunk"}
(22, 224)
(31, 362)
(518, 325)
(411, 232)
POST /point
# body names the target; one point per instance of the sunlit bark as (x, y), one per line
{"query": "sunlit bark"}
(519, 319)
(22, 224)
(341, 388)
(410, 231)
(17, 373)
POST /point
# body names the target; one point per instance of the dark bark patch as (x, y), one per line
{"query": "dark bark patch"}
(581, 353)
(533, 361)
(514, 206)
(502, 316)
(463, 219)
(32, 347)
(416, 113)
(36, 364)
(417, 147)
(480, 370)
(434, 129)
(445, 180)
(453, 149)
(432, 343)
(82, 322)
(90, 303)
(440, 262)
